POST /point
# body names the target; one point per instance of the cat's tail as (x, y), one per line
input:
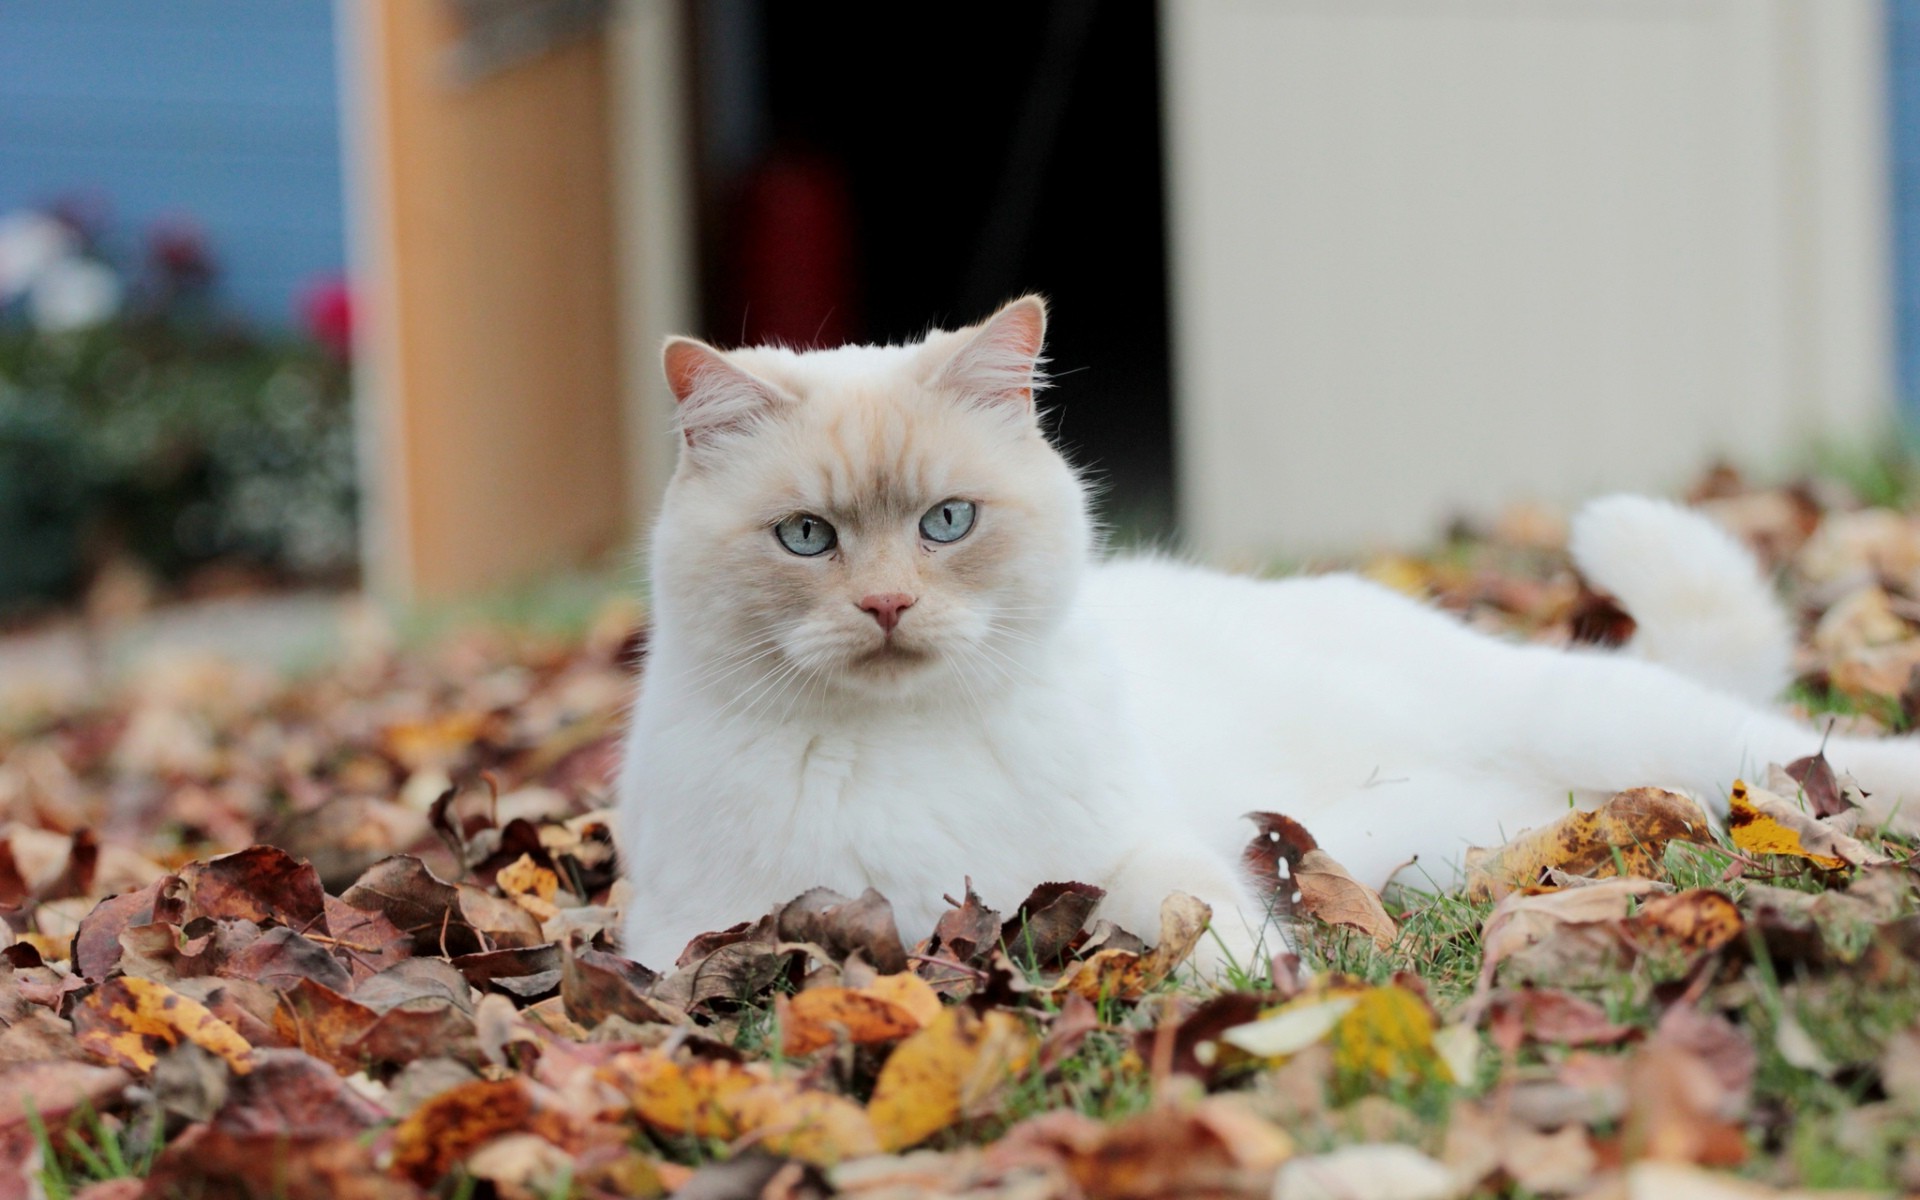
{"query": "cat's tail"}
(1697, 596)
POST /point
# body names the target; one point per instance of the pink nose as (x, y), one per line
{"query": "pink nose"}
(887, 608)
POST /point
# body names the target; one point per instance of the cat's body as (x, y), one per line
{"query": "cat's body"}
(902, 711)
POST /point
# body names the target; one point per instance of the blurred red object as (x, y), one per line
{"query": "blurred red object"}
(178, 251)
(797, 253)
(326, 310)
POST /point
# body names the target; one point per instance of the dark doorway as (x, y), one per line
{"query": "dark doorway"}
(867, 171)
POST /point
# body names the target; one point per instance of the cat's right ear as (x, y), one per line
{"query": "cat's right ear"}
(715, 396)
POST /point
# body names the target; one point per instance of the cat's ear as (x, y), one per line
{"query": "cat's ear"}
(999, 362)
(714, 395)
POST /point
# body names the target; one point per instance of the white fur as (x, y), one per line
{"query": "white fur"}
(1111, 723)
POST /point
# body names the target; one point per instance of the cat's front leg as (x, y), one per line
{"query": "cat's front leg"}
(1242, 936)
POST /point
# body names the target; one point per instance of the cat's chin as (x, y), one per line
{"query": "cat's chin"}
(889, 670)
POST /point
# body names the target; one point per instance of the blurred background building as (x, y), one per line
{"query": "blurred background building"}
(1324, 272)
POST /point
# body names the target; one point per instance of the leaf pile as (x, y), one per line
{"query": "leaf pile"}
(353, 935)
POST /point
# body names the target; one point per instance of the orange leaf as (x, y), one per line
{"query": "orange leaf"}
(893, 1006)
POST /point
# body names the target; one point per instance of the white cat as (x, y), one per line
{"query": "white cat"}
(885, 654)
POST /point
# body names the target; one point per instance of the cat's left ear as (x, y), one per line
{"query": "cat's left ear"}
(999, 363)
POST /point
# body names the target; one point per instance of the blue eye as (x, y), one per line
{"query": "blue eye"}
(805, 534)
(947, 521)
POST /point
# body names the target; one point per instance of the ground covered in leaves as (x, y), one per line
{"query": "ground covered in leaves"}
(350, 935)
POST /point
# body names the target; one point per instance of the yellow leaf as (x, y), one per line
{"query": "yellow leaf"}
(524, 877)
(1762, 823)
(812, 1126)
(741, 1103)
(910, 992)
(1388, 1035)
(128, 1020)
(1629, 831)
(945, 1071)
(693, 1099)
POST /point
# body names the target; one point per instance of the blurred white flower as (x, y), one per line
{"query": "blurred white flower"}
(30, 243)
(73, 293)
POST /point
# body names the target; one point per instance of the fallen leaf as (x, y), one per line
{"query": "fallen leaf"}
(944, 1072)
(1552, 1016)
(258, 884)
(1048, 921)
(842, 926)
(211, 1162)
(1820, 785)
(1627, 835)
(964, 932)
(1386, 1037)
(1693, 922)
(1760, 822)
(1365, 1172)
(128, 1021)
(891, 1007)
(1116, 974)
(741, 1104)
(455, 1123)
(1292, 1027)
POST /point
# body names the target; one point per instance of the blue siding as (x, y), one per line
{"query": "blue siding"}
(221, 110)
(1903, 79)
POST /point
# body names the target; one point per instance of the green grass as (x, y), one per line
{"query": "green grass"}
(91, 1149)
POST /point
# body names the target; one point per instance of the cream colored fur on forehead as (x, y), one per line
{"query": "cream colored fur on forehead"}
(865, 431)
(805, 373)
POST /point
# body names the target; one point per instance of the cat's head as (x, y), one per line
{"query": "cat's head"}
(871, 521)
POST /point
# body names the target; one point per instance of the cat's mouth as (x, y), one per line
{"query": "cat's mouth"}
(891, 656)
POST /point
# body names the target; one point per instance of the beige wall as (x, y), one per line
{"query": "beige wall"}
(495, 443)
(1433, 255)
(653, 203)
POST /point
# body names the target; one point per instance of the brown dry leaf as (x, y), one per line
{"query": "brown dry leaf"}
(210, 1162)
(944, 1072)
(457, 1122)
(290, 1094)
(1675, 1105)
(1629, 831)
(964, 932)
(840, 926)
(258, 884)
(890, 1007)
(128, 1021)
(595, 985)
(1823, 789)
(530, 885)
(1048, 921)
(1760, 822)
(1329, 894)
(1116, 974)
(1550, 1015)
(1216, 1146)
(1576, 921)
(1481, 1141)
(1696, 921)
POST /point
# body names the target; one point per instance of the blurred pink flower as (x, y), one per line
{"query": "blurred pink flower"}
(326, 310)
(177, 249)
